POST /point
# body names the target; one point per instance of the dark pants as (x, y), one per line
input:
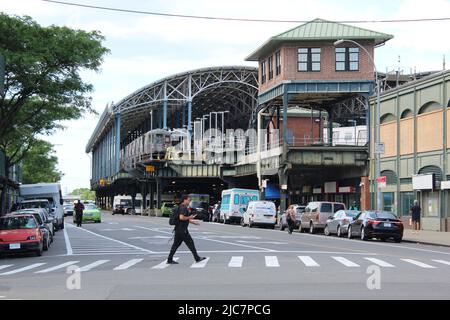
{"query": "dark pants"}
(291, 225)
(179, 238)
(79, 218)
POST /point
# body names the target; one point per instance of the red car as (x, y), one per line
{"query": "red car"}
(20, 233)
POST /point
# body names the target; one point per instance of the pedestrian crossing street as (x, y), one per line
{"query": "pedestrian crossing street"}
(269, 261)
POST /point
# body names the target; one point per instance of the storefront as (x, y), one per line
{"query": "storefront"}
(429, 199)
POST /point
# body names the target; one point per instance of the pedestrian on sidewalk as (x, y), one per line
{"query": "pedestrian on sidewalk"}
(415, 216)
(290, 218)
(354, 206)
(78, 207)
(182, 233)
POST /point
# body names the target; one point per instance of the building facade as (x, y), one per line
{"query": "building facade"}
(414, 127)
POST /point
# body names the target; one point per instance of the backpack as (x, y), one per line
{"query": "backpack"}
(174, 218)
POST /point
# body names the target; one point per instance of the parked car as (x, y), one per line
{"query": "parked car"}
(200, 208)
(42, 217)
(339, 222)
(166, 208)
(119, 209)
(42, 204)
(21, 233)
(317, 213)
(262, 213)
(91, 213)
(376, 224)
(68, 210)
(282, 222)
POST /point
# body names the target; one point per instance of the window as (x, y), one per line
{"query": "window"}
(270, 62)
(326, 207)
(236, 199)
(277, 63)
(388, 201)
(338, 206)
(406, 199)
(309, 59)
(347, 59)
(263, 71)
(226, 199)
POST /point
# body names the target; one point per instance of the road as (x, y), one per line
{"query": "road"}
(124, 258)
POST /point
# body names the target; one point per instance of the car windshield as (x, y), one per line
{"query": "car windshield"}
(68, 207)
(12, 223)
(386, 215)
(90, 207)
(198, 204)
(352, 213)
(125, 202)
(169, 205)
(33, 205)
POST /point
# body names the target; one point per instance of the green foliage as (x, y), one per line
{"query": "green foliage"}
(39, 165)
(43, 85)
(84, 193)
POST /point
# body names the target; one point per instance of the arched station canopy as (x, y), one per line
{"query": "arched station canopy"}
(227, 88)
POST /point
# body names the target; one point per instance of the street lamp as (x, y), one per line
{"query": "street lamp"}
(377, 120)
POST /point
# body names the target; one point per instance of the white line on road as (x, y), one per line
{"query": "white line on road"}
(308, 261)
(163, 264)
(346, 262)
(272, 261)
(379, 262)
(443, 262)
(32, 266)
(261, 242)
(115, 240)
(418, 263)
(213, 240)
(92, 265)
(200, 264)
(67, 241)
(128, 264)
(5, 266)
(236, 262)
(63, 265)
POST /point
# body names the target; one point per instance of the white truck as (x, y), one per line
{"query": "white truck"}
(50, 192)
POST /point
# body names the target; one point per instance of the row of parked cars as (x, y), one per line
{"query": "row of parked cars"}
(30, 228)
(333, 218)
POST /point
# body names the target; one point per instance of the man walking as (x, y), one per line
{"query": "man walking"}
(290, 218)
(78, 208)
(415, 216)
(182, 233)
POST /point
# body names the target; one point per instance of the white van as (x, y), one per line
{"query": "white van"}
(233, 203)
(125, 202)
(50, 192)
(262, 213)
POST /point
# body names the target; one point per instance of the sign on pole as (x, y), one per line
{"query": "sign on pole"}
(150, 168)
(381, 182)
(379, 148)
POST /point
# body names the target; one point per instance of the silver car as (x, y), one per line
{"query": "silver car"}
(317, 213)
(339, 222)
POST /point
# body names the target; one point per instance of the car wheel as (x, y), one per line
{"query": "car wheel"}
(338, 232)
(382, 239)
(349, 232)
(326, 231)
(46, 245)
(398, 240)
(311, 228)
(363, 234)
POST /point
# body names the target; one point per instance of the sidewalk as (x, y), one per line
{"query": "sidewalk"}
(427, 237)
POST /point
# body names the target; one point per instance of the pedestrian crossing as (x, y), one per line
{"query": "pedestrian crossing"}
(236, 262)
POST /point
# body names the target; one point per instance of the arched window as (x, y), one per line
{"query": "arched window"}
(388, 117)
(432, 169)
(391, 176)
(406, 114)
(429, 107)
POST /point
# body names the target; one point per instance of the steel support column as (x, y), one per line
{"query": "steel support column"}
(117, 124)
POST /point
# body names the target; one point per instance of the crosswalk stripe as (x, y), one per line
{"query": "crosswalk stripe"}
(379, 262)
(418, 263)
(272, 261)
(32, 266)
(308, 261)
(5, 266)
(346, 262)
(92, 265)
(200, 264)
(63, 265)
(128, 264)
(235, 262)
(163, 264)
(443, 262)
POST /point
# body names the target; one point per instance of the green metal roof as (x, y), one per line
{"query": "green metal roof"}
(317, 30)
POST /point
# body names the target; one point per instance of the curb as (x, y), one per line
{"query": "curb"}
(427, 243)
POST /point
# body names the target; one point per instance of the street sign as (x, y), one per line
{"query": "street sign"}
(379, 148)
(102, 182)
(150, 168)
(381, 181)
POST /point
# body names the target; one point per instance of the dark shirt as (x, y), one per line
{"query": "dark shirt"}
(415, 212)
(79, 207)
(182, 226)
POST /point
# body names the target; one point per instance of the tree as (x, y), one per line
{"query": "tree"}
(39, 165)
(84, 193)
(43, 85)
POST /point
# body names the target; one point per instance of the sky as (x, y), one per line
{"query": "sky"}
(146, 48)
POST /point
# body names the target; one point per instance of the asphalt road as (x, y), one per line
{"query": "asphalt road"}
(124, 258)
